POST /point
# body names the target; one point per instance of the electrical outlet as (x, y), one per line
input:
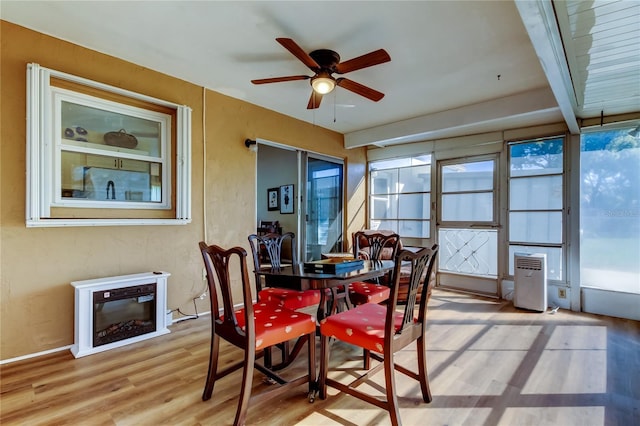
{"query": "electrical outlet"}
(562, 293)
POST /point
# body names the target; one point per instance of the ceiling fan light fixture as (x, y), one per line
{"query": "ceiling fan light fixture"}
(323, 83)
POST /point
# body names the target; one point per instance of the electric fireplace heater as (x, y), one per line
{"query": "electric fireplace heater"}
(122, 313)
(115, 311)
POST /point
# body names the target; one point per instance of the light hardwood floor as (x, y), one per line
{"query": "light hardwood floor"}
(489, 364)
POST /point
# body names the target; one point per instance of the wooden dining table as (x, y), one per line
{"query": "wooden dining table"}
(295, 277)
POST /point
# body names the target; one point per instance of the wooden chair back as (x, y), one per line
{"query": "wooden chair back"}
(421, 263)
(378, 245)
(270, 248)
(269, 226)
(374, 245)
(217, 263)
(382, 331)
(254, 330)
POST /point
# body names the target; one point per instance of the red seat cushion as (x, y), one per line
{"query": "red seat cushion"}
(361, 326)
(361, 293)
(290, 299)
(275, 324)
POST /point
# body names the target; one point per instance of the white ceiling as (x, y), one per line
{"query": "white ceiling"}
(602, 40)
(457, 67)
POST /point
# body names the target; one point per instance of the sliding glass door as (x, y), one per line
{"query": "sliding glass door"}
(323, 207)
(304, 193)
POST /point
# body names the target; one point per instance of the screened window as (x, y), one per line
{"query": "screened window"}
(536, 176)
(400, 196)
(468, 191)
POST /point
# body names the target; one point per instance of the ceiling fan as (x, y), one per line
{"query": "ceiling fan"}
(324, 63)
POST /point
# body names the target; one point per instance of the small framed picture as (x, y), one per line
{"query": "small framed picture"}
(286, 199)
(273, 198)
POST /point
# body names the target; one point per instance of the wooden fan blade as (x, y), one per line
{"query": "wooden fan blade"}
(279, 79)
(297, 51)
(370, 59)
(361, 90)
(314, 100)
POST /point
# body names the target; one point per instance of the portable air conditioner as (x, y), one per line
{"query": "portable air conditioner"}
(530, 282)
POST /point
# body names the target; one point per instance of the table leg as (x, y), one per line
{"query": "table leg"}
(328, 302)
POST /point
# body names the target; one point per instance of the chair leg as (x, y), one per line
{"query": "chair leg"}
(422, 369)
(390, 381)
(268, 360)
(284, 355)
(324, 366)
(245, 390)
(213, 367)
(333, 307)
(285, 351)
(313, 384)
(366, 359)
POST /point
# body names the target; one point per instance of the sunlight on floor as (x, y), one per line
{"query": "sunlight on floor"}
(579, 354)
(553, 416)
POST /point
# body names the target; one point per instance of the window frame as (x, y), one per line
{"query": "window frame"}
(44, 151)
(494, 191)
(374, 223)
(530, 246)
(62, 145)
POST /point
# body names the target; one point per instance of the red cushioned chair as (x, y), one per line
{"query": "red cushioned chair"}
(373, 245)
(251, 328)
(270, 245)
(383, 330)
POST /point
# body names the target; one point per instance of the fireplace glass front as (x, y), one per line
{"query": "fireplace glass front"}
(123, 313)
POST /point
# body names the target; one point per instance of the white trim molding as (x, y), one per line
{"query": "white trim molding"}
(42, 172)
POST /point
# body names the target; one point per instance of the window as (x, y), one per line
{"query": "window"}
(99, 155)
(468, 191)
(400, 196)
(105, 168)
(610, 210)
(536, 182)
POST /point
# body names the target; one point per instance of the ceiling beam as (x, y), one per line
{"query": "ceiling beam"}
(534, 107)
(540, 22)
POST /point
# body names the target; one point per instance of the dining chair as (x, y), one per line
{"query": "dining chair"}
(384, 330)
(267, 226)
(372, 245)
(252, 328)
(270, 246)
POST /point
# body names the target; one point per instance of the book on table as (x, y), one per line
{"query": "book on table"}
(333, 265)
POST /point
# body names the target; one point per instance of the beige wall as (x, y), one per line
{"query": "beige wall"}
(37, 264)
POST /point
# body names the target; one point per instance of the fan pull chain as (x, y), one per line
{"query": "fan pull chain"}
(314, 109)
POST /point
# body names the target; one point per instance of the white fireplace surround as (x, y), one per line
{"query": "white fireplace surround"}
(83, 318)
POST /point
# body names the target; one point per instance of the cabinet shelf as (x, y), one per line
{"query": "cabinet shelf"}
(94, 147)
